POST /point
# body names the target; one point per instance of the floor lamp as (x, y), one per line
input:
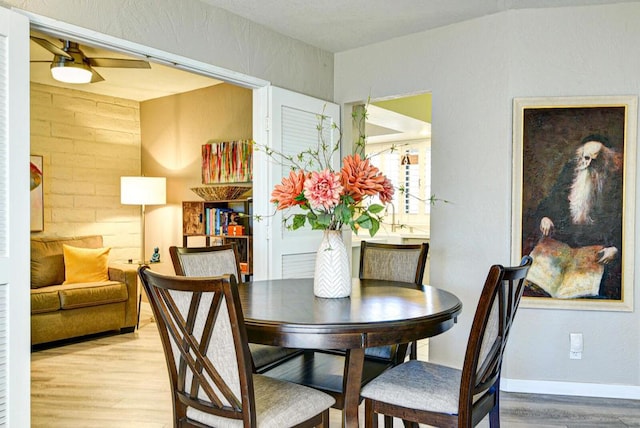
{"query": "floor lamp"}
(143, 191)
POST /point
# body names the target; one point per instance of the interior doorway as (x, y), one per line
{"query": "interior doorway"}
(399, 142)
(168, 76)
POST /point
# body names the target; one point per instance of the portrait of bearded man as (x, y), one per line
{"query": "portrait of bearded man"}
(583, 209)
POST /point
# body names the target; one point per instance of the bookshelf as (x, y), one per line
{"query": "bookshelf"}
(218, 223)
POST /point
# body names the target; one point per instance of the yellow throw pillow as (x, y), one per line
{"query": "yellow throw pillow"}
(85, 264)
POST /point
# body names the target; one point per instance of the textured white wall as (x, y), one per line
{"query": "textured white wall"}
(88, 142)
(474, 70)
(201, 32)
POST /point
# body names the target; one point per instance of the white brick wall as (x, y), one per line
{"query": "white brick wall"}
(88, 142)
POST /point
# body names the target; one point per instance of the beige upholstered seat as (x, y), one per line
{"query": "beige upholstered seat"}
(221, 260)
(393, 262)
(426, 393)
(205, 342)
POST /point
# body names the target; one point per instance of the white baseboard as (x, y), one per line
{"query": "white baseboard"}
(630, 392)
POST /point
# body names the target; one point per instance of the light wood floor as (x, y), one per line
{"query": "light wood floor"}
(121, 381)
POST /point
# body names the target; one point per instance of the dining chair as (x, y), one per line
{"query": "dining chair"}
(202, 330)
(393, 262)
(220, 260)
(441, 396)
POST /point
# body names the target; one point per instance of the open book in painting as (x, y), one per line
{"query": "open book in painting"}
(565, 272)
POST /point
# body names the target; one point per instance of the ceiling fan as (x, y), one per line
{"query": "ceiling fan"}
(71, 65)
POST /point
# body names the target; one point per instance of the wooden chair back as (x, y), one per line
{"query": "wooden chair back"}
(223, 260)
(205, 344)
(480, 382)
(393, 262)
(206, 261)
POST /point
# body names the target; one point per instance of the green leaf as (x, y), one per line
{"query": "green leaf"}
(375, 208)
(365, 221)
(348, 200)
(324, 219)
(343, 213)
(375, 226)
(298, 221)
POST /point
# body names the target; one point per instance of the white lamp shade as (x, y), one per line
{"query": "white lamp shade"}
(143, 190)
(69, 74)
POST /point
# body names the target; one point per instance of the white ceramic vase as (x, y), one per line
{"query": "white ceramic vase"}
(332, 277)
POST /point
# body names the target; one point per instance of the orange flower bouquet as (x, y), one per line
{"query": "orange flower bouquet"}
(332, 199)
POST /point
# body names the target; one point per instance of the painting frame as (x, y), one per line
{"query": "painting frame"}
(227, 162)
(537, 123)
(36, 193)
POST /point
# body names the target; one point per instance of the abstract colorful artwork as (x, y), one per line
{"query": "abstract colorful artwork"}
(37, 194)
(227, 162)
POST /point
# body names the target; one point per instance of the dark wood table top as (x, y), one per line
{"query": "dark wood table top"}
(286, 313)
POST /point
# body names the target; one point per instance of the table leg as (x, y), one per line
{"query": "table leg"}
(351, 386)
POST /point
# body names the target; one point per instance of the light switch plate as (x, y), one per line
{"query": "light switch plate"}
(576, 342)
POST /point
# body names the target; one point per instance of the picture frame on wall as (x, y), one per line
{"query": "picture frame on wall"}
(227, 162)
(37, 193)
(573, 200)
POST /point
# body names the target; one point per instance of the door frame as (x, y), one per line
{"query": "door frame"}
(64, 30)
(259, 86)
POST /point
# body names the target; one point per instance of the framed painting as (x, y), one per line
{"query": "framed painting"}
(227, 162)
(573, 200)
(37, 194)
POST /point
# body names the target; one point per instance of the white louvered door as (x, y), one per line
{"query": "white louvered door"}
(4, 232)
(293, 123)
(14, 220)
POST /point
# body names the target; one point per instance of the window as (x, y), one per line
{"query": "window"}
(408, 165)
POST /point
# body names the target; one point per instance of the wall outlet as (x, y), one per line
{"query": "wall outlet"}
(576, 346)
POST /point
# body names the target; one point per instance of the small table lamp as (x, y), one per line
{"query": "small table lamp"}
(143, 191)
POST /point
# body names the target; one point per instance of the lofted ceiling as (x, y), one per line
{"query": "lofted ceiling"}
(332, 25)
(340, 25)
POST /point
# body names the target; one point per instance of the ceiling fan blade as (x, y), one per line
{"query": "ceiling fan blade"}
(51, 47)
(118, 63)
(95, 76)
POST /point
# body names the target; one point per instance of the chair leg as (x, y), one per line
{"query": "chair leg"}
(413, 353)
(325, 419)
(370, 417)
(494, 414)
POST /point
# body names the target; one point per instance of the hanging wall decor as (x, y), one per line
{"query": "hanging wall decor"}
(573, 194)
(227, 162)
(37, 194)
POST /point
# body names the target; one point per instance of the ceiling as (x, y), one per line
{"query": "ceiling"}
(340, 25)
(133, 84)
(333, 25)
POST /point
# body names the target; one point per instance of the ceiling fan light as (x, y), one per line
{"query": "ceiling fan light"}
(71, 73)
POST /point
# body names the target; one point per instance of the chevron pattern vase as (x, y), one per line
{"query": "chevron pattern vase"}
(332, 277)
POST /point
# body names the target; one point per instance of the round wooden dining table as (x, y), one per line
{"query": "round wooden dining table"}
(285, 312)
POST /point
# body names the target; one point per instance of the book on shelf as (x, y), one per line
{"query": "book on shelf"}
(217, 220)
